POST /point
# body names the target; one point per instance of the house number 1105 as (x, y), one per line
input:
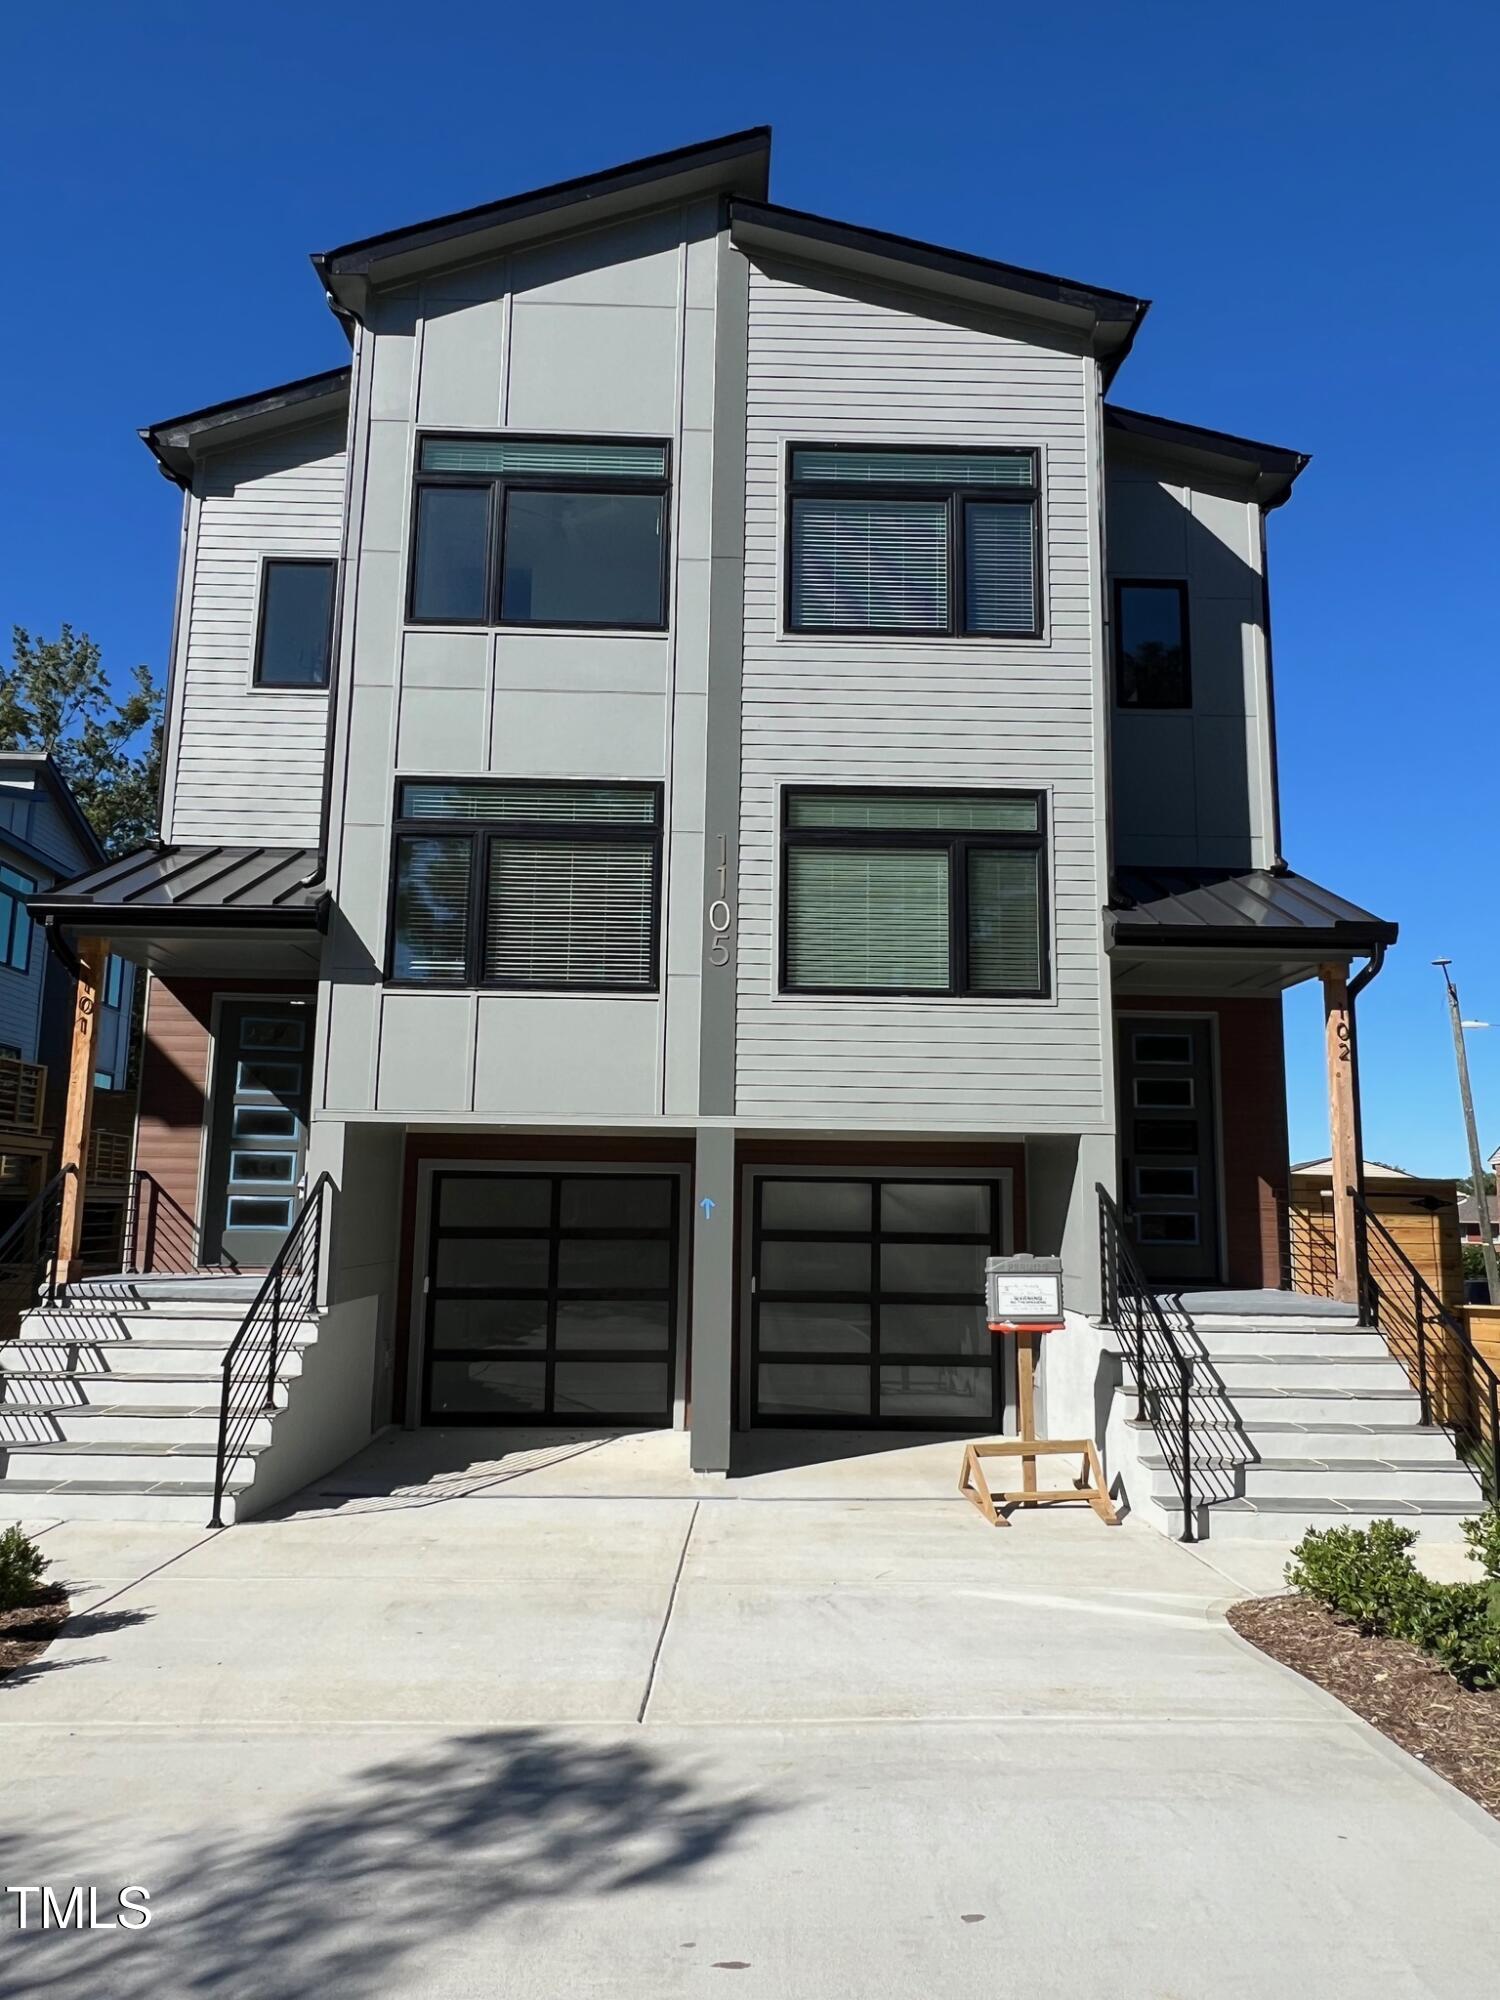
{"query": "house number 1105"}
(720, 916)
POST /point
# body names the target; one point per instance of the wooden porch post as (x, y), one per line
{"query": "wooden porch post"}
(1343, 1126)
(78, 1114)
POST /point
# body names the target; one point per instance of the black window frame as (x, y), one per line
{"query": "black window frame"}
(873, 1298)
(482, 835)
(1179, 584)
(957, 497)
(12, 906)
(262, 597)
(959, 842)
(498, 486)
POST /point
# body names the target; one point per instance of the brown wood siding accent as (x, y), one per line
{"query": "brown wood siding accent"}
(1253, 1141)
(175, 1060)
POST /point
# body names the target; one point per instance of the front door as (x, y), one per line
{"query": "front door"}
(258, 1128)
(1169, 1146)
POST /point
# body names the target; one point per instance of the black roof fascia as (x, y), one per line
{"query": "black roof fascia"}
(347, 271)
(175, 442)
(1275, 466)
(44, 762)
(1278, 891)
(1116, 315)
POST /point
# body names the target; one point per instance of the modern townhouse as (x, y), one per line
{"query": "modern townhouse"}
(714, 779)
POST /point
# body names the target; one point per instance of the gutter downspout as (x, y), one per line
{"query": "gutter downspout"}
(1367, 972)
(61, 950)
(349, 322)
(1278, 859)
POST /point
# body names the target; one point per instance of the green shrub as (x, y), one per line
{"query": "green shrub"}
(21, 1566)
(1367, 1575)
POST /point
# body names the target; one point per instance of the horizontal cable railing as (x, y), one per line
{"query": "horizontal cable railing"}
(29, 1255)
(1173, 1382)
(288, 1297)
(160, 1235)
(1307, 1253)
(1457, 1387)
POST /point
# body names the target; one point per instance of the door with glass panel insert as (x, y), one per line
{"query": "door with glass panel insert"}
(551, 1298)
(258, 1130)
(1169, 1145)
(867, 1302)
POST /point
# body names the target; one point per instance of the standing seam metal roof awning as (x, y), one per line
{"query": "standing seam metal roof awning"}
(160, 888)
(1258, 907)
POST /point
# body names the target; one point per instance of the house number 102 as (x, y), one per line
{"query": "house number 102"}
(720, 916)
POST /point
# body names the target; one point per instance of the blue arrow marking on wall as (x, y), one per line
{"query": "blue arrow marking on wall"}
(708, 1205)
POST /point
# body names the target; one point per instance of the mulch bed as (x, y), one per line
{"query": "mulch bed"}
(1453, 1730)
(29, 1629)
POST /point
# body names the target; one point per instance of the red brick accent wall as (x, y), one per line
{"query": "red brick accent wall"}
(1253, 1135)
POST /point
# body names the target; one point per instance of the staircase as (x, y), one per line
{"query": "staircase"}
(1299, 1417)
(109, 1402)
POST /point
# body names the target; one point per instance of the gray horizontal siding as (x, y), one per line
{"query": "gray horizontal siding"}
(247, 763)
(878, 369)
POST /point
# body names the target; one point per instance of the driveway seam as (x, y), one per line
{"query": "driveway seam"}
(666, 1621)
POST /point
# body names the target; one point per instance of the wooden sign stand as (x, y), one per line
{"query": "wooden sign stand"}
(1088, 1486)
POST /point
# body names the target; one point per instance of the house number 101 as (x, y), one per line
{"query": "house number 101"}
(720, 915)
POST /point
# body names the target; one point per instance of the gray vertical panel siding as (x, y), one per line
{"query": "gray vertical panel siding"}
(247, 763)
(863, 367)
(1195, 787)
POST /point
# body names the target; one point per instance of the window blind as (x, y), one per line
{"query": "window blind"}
(633, 805)
(570, 913)
(870, 564)
(555, 457)
(1005, 927)
(432, 907)
(1000, 567)
(914, 468)
(956, 811)
(867, 917)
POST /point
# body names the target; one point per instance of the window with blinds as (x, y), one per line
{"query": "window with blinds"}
(898, 539)
(920, 893)
(540, 531)
(542, 886)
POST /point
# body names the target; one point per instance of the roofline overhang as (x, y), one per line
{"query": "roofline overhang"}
(1271, 468)
(107, 919)
(1299, 943)
(1109, 320)
(737, 163)
(179, 442)
(46, 764)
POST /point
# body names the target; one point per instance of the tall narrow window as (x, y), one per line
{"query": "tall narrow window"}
(544, 886)
(15, 923)
(914, 892)
(541, 531)
(295, 636)
(897, 539)
(1152, 665)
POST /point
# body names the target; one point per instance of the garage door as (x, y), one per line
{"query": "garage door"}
(551, 1298)
(867, 1302)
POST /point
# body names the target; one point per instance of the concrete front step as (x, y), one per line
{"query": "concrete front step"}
(81, 1499)
(156, 1425)
(99, 1390)
(143, 1465)
(1346, 1343)
(1411, 1443)
(1299, 1374)
(1288, 1518)
(128, 1357)
(1349, 1482)
(1333, 1406)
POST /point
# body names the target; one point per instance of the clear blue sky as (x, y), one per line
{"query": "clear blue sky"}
(1306, 191)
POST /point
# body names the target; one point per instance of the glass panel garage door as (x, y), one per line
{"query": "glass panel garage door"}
(867, 1303)
(551, 1298)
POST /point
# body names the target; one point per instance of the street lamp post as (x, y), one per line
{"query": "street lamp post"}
(1476, 1162)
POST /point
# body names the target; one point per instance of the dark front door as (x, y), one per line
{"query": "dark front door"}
(1169, 1146)
(257, 1129)
(551, 1298)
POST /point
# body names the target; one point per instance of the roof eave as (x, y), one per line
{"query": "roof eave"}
(1108, 320)
(1297, 941)
(737, 163)
(1271, 469)
(177, 443)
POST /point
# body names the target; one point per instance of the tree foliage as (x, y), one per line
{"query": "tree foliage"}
(54, 696)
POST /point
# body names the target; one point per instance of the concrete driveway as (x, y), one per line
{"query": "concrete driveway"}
(513, 1717)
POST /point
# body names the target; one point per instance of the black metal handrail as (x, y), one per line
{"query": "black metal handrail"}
(29, 1254)
(160, 1235)
(1163, 1372)
(1456, 1386)
(288, 1295)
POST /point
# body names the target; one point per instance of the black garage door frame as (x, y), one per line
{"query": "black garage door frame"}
(431, 1230)
(994, 1240)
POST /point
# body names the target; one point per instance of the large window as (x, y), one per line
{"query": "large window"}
(538, 531)
(536, 885)
(895, 539)
(1152, 666)
(294, 639)
(15, 924)
(914, 892)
